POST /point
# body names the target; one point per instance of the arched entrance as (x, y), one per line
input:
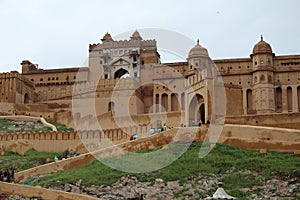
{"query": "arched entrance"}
(26, 98)
(196, 110)
(120, 73)
(111, 106)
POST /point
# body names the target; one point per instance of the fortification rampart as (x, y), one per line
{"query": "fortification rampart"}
(153, 141)
(244, 136)
(280, 120)
(17, 75)
(59, 141)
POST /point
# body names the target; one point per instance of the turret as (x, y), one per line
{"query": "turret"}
(262, 55)
(263, 77)
(27, 66)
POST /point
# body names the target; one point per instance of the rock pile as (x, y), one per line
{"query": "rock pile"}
(129, 188)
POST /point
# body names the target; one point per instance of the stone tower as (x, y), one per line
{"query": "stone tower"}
(198, 79)
(263, 78)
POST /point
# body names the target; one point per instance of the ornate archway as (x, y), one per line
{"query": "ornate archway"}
(120, 73)
(196, 110)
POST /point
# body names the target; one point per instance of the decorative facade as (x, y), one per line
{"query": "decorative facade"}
(262, 83)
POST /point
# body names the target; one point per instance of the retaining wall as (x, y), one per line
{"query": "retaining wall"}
(43, 193)
(280, 120)
(244, 136)
(153, 141)
(59, 141)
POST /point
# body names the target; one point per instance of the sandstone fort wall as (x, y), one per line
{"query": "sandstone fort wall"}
(243, 136)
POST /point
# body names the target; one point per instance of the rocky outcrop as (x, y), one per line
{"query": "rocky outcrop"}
(129, 188)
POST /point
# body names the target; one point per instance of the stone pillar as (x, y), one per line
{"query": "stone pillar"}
(295, 98)
(206, 106)
(120, 134)
(116, 134)
(153, 103)
(186, 107)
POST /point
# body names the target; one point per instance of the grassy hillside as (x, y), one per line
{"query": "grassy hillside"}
(235, 167)
(11, 126)
(31, 159)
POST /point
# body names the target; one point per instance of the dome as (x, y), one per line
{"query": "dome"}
(198, 50)
(262, 47)
(106, 37)
(136, 36)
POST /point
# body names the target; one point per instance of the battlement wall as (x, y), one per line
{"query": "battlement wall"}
(17, 75)
(280, 120)
(59, 141)
(123, 44)
(243, 136)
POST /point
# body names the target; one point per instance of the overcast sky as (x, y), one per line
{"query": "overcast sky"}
(57, 33)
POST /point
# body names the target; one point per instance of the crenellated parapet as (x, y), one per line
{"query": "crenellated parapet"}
(122, 44)
(15, 75)
(112, 134)
(15, 88)
(42, 135)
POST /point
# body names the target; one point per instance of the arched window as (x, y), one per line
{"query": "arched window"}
(255, 79)
(270, 79)
(278, 99)
(298, 97)
(174, 102)
(164, 101)
(111, 106)
(249, 100)
(26, 98)
(289, 96)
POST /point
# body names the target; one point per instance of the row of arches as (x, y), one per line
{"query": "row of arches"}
(164, 100)
(289, 98)
(174, 102)
(279, 98)
(169, 102)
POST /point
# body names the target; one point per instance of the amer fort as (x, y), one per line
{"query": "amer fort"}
(125, 89)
